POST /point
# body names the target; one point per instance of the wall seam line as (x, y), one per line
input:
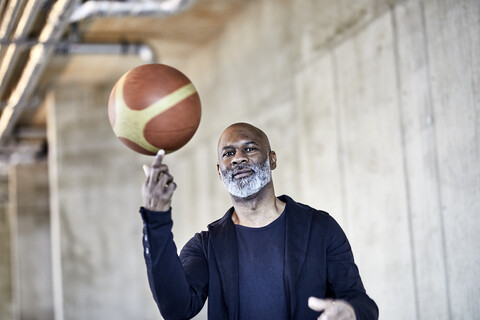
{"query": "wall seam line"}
(435, 162)
(340, 142)
(405, 168)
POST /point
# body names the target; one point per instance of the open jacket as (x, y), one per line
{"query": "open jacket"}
(318, 262)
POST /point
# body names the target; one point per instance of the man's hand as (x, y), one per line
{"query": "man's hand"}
(332, 310)
(158, 187)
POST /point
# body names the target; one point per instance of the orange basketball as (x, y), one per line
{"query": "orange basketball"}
(152, 107)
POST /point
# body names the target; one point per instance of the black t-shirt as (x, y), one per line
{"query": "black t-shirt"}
(261, 253)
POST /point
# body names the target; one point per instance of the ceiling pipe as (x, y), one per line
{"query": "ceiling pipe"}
(12, 52)
(10, 17)
(9, 20)
(39, 55)
(145, 52)
(2, 5)
(157, 8)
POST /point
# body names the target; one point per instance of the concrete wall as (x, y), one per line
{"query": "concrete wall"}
(372, 107)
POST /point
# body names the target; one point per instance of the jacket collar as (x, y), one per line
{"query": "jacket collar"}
(224, 242)
(297, 233)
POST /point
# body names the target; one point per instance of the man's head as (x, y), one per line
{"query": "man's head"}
(245, 160)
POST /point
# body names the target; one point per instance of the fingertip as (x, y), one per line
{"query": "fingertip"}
(172, 186)
(316, 304)
(158, 158)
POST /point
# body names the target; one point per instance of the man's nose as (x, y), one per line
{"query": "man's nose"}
(239, 158)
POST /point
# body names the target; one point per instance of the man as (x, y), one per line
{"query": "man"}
(267, 258)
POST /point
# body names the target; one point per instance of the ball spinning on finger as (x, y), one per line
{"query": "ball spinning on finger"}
(152, 107)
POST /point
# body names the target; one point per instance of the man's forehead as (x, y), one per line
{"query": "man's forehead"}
(240, 134)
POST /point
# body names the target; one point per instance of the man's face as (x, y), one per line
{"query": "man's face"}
(244, 160)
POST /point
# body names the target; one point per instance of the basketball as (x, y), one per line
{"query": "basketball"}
(152, 107)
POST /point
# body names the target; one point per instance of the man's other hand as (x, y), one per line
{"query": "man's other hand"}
(332, 310)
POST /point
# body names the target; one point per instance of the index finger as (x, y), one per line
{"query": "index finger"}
(319, 304)
(158, 158)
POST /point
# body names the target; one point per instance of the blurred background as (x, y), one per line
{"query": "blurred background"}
(372, 106)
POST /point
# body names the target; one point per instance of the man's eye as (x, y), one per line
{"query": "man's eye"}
(250, 149)
(228, 154)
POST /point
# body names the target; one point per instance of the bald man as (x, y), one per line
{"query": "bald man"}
(269, 257)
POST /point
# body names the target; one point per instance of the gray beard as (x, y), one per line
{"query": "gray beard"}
(247, 186)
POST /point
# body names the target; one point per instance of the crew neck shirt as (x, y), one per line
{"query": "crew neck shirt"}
(261, 256)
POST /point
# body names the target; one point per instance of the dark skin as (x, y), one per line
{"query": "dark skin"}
(158, 188)
(239, 143)
(244, 143)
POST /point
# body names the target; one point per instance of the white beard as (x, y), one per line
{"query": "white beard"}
(247, 186)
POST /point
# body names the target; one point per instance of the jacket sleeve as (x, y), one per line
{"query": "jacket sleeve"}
(343, 276)
(180, 290)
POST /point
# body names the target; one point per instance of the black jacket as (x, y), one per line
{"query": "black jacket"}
(318, 262)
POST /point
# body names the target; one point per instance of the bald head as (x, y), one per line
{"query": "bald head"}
(243, 131)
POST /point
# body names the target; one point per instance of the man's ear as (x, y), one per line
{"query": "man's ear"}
(218, 171)
(273, 159)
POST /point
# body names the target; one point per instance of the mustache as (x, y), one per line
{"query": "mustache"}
(239, 168)
(242, 167)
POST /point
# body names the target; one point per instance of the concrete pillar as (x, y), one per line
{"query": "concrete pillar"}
(30, 241)
(6, 298)
(99, 269)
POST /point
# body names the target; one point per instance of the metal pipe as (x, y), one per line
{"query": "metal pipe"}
(9, 20)
(2, 6)
(12, 52)
(91, 9)
(145, 52)
(39, 55)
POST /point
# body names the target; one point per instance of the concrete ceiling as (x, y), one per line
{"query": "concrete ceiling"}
(172, 36)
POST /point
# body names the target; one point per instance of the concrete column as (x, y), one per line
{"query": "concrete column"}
(99, 269)
(30, 241)
(6, 296)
